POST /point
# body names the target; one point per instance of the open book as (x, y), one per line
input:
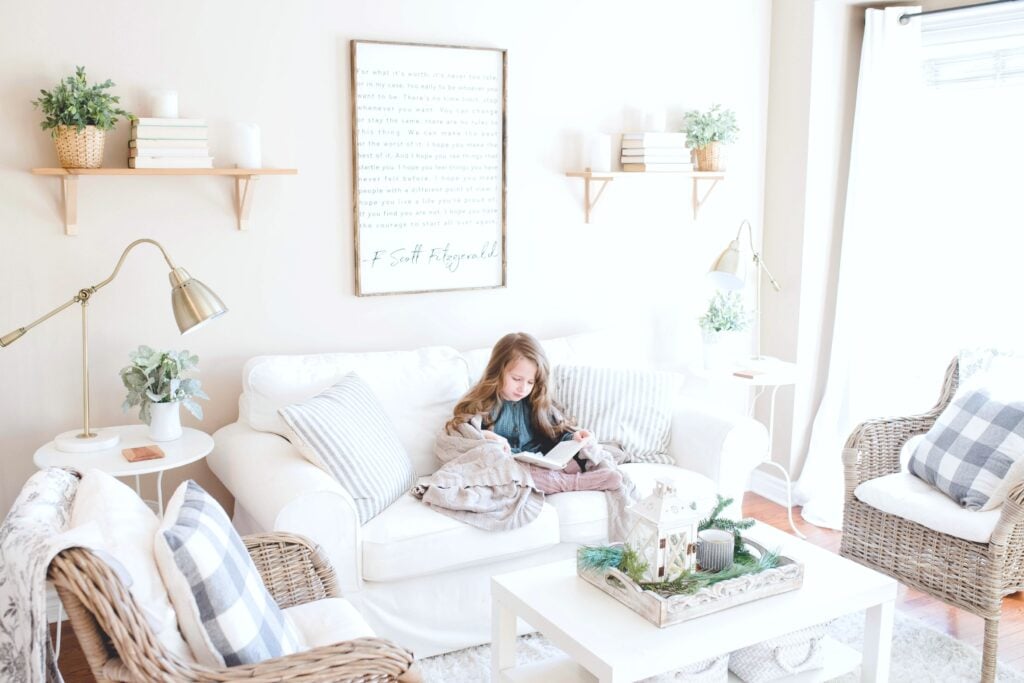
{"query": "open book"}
(555, 459)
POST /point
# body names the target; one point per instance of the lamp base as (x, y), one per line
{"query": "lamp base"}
(71, 442)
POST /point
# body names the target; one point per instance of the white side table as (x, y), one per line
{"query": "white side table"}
(191, 446)
(766, 374)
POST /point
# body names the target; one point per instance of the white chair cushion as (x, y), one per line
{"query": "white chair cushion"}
(583, 515)
(904, 495)
(328, 621)
(344, 431)
(124, 528)
(225, 612)
(409, 539)
(417, 389)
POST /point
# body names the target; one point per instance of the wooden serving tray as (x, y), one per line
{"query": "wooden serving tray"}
(662, 611)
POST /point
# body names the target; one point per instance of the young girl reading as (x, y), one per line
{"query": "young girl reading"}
(516, 410)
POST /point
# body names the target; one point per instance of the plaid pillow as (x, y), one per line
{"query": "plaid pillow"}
(974, 453)
(224, 611)
(629, 408)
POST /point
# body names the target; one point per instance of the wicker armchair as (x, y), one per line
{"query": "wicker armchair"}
(120, 646)
(972, 576)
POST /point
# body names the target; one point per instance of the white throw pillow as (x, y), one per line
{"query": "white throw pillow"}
(974, 453)
(124, 527)
(225, 611)
(631, 408)
(344, 431)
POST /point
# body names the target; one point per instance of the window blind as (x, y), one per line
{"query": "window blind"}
(974, 47)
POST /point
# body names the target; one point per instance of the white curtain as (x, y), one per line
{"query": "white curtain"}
(933, 228)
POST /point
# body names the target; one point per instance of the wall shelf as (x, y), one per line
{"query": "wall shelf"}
(244, 179)
(697, 177)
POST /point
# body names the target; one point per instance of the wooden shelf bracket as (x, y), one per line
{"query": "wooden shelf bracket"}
(69, 190)
(244, 186)
(699, 199)
(588, 202)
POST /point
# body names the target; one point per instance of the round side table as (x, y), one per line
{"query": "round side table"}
(191, 446)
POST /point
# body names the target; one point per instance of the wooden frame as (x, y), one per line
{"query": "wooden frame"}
(428, 167)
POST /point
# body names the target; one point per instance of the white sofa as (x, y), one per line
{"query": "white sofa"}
(419, 577)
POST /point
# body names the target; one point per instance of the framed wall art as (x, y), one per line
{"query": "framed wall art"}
(428, 155)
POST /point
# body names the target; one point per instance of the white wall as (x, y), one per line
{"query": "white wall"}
(573, 67)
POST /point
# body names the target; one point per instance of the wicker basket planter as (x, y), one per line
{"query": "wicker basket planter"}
(710, 157)
(80, 149)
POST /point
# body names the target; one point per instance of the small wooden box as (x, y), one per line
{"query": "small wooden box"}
(140, 453)
(662, 611)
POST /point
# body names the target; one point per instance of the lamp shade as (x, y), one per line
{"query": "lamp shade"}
(727, 272)
(193, 302)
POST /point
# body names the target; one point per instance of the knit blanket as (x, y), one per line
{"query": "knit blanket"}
(31, 535)
(479, 483)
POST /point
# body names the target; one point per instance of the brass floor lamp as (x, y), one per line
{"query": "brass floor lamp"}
(194, 304)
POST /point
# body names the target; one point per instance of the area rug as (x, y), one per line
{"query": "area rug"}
(920, 654)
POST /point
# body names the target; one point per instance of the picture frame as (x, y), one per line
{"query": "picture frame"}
(428, 167)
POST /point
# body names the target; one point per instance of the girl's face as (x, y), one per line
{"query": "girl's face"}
(518, 380)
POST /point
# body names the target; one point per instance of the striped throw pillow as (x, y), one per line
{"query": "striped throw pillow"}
(630, 408)
(224, 610)
(344, 431)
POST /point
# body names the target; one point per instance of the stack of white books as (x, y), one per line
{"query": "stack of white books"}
(169, 143)
(655, 152)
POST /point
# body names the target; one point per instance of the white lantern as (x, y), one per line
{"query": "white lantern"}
(664, 533)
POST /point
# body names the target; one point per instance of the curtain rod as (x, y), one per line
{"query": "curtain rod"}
(905, 19)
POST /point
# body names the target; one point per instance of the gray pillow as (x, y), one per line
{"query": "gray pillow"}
(630, 408)
(345, 431)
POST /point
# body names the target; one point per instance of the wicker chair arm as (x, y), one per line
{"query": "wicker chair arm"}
(1011, 518)
(294, 570)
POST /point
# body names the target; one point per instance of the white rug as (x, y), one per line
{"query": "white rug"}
(920, 654)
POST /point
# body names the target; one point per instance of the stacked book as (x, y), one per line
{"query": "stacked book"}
(655, 152)
(169, 143)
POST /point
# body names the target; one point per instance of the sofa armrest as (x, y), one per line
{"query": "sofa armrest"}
(724, 448)
(283, 491)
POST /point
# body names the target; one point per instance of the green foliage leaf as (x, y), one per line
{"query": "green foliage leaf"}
(155, 377)
(714, 125)
(725, 313)
(74, 102)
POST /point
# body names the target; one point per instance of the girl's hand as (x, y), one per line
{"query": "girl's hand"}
(581, 435)
(491, 436)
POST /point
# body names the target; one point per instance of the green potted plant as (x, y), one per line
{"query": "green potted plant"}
(706, 132)
(155, 384)
(721, 325)
(78, 115)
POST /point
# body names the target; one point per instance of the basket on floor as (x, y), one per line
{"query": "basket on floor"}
(780, 657)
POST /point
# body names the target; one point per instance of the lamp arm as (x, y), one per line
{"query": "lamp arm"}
(762, 266)
(757, 255)
(83, 295)
(124, 254)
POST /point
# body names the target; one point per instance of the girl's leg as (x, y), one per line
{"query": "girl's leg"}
(559, 481)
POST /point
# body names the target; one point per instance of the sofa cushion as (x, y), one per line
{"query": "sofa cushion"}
(417, 390)
(328, 621)
(409, 539)
(125, 529)
(583, 515)
(630, 408)
(224, 610)
(344, 431)
(904, 495)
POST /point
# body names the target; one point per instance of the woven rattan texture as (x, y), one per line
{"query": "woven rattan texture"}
(972, 576)
(709, 157)
(120, 646)
(80, 149)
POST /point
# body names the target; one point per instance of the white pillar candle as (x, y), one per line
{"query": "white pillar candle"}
(163, 104)
(601, 153)
(247, 145)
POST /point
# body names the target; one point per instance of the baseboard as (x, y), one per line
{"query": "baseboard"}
(771, 487)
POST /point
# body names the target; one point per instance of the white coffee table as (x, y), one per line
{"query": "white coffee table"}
(608, 642)
(191, 446)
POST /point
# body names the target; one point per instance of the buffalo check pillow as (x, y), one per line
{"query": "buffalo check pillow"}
(974, 453)
(629, 408)
(224, 611)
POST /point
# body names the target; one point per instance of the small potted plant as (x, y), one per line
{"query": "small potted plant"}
(721, 325)
(155, 384)
(78, 115)
(706, 132)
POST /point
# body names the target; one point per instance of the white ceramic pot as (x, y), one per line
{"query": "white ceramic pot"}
(164, 421)
(722, 349)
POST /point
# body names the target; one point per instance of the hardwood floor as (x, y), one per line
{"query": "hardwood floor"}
(938, 615)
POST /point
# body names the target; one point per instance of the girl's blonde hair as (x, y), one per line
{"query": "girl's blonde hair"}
(484, 399)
